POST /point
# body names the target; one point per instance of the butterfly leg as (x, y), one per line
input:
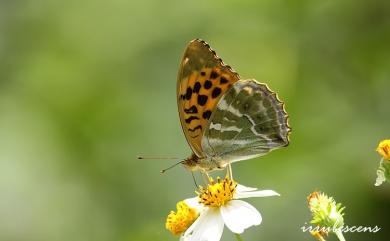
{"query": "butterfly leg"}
(229, 171)
(193, 178)
(206, 178)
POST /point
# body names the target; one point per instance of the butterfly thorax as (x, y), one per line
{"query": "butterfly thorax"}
(205, 164)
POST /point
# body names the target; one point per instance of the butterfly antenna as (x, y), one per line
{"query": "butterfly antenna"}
(157, 158)
(166, 169)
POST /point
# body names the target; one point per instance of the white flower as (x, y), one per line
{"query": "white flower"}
(218, 205)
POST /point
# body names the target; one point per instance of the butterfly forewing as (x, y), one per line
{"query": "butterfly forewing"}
(248, 121)
(202, 80)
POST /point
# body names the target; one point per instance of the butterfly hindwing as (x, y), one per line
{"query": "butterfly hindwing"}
(202, 80)
(248, 121)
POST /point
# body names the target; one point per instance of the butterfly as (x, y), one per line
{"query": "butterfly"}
(224, 118)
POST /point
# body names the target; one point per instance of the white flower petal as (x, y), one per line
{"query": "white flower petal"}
(242, 188)
(262, 193)
(194, 203)
(239, 215)
(208, 227)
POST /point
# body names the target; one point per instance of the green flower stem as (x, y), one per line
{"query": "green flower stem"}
(238, 237)
(339, 235)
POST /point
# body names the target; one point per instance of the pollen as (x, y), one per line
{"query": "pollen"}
(180, 221)
(384, 149)
(217, 193)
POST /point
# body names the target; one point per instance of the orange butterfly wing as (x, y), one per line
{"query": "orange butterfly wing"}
(202, 80)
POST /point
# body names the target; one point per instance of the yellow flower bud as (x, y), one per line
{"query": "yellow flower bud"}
(384, 149)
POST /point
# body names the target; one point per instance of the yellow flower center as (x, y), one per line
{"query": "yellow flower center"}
(180, 221)
(384, 149)
(217, 193)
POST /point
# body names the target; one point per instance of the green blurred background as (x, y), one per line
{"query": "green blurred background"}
(86, 86)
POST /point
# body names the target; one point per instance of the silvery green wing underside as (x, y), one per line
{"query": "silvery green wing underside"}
(249, 121)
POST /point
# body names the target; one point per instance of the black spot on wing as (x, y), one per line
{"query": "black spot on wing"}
(203, 73)
(191, 110)
(207, 84)
(195, 128)
(202, 99)
(197, 87)
(189, 119)
(214, 75)
(206, 114)
(223, 81)
(188, 93)
(216, 92)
